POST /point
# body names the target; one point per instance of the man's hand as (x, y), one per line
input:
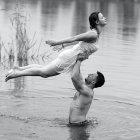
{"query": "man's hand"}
(82, 57)
(51, 42)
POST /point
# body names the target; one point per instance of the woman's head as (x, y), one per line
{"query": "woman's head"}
(95, 19)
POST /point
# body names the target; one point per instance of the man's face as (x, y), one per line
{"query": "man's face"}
(91, 78)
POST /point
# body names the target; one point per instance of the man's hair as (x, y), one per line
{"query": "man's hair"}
(100, 80)
(93, 18)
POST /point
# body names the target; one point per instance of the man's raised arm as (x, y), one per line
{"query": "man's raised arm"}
(76, 76)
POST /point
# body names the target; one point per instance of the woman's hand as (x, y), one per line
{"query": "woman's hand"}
(51, 42)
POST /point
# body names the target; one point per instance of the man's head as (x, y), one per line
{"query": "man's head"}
(95, 80)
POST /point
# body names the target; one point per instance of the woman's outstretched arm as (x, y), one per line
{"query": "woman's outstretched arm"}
(87, 37)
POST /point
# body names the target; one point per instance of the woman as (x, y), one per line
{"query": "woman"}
(88, 44)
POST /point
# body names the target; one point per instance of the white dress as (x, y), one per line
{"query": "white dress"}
(67, 58)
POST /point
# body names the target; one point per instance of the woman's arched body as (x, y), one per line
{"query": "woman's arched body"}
(88, 44)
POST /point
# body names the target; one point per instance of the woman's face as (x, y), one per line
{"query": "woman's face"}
(102, 19)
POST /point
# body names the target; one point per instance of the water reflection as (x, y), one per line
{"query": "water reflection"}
(19, 84)
(53, 15)
(80, 17)
(130, 18)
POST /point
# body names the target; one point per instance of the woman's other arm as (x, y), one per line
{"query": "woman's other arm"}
(87, 37)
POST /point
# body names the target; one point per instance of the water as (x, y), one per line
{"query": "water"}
(37, 108)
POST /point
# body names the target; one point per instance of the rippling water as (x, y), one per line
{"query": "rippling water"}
(37, 108)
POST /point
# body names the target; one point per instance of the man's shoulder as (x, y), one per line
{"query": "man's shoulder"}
(86, 89)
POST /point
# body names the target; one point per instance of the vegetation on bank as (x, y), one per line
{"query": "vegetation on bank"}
(21, 47)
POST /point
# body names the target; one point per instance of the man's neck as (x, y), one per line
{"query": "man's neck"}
(90, 86)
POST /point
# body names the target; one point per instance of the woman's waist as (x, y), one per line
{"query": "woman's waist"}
(73, 52)
(70, 52)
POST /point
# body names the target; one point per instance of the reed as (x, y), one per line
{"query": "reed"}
(18, 48)
(21, 41)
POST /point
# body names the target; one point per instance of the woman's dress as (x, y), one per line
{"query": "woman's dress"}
(67, 58)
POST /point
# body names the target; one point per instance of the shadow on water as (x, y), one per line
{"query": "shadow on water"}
(76, 132)
(79, 133)
(82, 132)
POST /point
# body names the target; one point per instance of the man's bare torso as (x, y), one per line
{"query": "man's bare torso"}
(80, 106)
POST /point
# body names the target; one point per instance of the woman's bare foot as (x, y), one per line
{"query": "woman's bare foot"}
(11, 75)
(8, 72)
(14, 68)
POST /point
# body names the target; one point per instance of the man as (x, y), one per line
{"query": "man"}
(84, 95)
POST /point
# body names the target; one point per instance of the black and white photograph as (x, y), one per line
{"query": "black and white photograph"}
(69, 69)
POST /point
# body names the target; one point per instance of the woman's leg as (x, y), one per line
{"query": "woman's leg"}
(24, 67)
(44, 71)
(28, 66)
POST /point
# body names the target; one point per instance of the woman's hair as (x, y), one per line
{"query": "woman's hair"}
(100, 80)
(93, 18)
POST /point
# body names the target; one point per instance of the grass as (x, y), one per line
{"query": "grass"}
(21, 47)
(21, 40)
(17, 49)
